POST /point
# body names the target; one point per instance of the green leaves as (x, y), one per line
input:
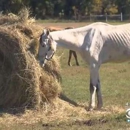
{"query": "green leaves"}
(67, 8)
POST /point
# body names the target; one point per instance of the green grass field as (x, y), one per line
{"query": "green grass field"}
(115, 82)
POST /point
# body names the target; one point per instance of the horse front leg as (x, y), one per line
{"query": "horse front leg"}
(95, 87)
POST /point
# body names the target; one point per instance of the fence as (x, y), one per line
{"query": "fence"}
(107, 18)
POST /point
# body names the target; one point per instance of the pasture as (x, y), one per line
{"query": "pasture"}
(115, 85)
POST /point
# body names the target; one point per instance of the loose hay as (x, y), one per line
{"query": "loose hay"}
(22, 81)
(22, 17)
(5, 19)
(61, 111)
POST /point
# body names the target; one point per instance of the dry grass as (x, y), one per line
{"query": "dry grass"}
(59, 111)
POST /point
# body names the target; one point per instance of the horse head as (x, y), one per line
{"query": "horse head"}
(46, 47)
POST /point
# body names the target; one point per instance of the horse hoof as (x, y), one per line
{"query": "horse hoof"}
(90, 109)
(77, 64)
(69, 64)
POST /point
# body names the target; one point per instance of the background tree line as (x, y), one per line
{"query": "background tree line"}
(66, 8)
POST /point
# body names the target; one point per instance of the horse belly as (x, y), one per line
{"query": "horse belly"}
(119, 54)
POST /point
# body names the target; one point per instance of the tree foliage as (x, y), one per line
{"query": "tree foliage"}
(66, 8)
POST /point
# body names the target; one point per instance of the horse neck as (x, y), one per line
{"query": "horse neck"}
(67, 39)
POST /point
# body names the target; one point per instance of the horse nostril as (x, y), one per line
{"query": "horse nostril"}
(43, 45)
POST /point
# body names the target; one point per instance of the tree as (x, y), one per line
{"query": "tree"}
(103, 7)
(67, 8)
(96, 6)
(123, 6)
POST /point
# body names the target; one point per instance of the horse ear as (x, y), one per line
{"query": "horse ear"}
(46, 31)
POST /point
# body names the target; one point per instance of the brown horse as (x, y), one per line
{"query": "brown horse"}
(71, 52)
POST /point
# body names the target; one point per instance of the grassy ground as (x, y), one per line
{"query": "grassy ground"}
(115, 82)
(64, 24)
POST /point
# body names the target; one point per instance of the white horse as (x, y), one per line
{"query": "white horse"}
(97, 43)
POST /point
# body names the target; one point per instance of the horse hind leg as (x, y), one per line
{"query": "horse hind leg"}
(76, 59)
(70, 55)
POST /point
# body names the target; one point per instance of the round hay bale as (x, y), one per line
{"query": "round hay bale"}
(53, 68)
(6, 20)
(22, 81)
(22, 17)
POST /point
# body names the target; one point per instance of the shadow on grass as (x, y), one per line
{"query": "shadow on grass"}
(12, 111)
(65, 98)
